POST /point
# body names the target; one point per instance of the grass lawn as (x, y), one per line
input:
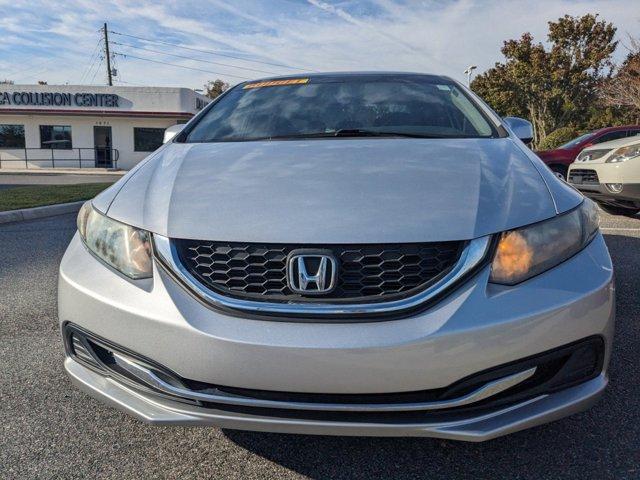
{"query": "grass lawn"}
(38, 195)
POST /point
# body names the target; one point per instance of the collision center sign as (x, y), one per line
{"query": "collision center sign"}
(55, 99)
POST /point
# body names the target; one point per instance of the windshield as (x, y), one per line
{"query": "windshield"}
(576, 141)
(342, 106)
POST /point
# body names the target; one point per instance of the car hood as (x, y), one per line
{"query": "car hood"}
(611, 144)
(334, 191)
(557, 154)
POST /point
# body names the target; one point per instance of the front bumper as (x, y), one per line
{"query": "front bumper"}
(477, 327)
(629, 198)
(625, 174)
(477, 428)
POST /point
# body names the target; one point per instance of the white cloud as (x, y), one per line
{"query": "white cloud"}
(426, 36)
(359, 23)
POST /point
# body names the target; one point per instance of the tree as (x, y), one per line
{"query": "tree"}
(554, 87)
(12, 136)
(215, 88)
(622, 90)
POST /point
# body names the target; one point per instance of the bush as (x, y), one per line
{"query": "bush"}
(558, 137)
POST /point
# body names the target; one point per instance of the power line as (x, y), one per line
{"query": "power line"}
(97, 70)
(126, 55)
(92, 60)
(32, 67)
(89, 68)
(191, 58)
(212, 52)
(95, 64)
(34, 75)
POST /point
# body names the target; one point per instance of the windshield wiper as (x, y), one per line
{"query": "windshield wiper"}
(350, 132)
(357, 132)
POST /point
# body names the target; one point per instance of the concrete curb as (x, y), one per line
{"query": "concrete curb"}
(39, 212)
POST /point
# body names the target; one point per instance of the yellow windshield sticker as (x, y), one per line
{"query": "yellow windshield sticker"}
(277, 83)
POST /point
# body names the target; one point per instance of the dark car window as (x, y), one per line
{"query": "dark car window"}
(633, 132)
(576, 141)
(607, 137)
(342, 106)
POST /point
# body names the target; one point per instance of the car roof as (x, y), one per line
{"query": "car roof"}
(620, 142)
(333, 76)
(615, 129)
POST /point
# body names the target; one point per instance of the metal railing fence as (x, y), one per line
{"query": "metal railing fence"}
(96, 157)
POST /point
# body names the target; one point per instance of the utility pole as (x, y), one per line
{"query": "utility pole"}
(107, 54)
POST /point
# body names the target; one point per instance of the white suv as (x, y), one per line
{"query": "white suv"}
(609, 173)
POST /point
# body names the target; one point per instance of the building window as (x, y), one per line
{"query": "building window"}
(55, 136)
(147, 139)
(11, 136)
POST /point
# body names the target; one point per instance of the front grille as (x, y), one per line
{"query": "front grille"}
(365, 272)
(583, 177)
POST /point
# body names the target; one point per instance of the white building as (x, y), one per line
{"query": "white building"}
(88, 126)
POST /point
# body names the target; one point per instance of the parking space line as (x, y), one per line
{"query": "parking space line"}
(604, 229)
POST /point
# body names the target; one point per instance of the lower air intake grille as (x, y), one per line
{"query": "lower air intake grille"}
(581, 176)
(80, 350)
(365, 272)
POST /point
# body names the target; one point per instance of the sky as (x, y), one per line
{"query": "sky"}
(235, 40)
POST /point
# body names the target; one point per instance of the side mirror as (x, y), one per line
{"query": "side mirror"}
(521, 128)
(171, 132)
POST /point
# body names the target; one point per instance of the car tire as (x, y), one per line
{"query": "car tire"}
(615, 210)
(559, 171)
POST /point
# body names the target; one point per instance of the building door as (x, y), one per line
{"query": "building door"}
(102, 144)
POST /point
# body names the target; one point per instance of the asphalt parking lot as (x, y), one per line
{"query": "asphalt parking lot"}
(51, 430)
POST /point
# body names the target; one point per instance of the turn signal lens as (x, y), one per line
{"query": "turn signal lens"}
(529, 251)
(514, 256)
(83, 215)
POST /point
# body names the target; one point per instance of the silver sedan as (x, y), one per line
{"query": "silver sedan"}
(342, 254)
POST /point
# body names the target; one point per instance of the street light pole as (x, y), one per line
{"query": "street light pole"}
(468, 72)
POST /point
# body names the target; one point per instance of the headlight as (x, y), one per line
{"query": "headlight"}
(529, 251)
(125, 248)
(589, 155)
(624, 153)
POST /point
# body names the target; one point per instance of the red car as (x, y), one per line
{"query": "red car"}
(560, 158)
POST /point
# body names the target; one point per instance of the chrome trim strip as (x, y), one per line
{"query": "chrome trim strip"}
(474, 253)
(147, 377)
